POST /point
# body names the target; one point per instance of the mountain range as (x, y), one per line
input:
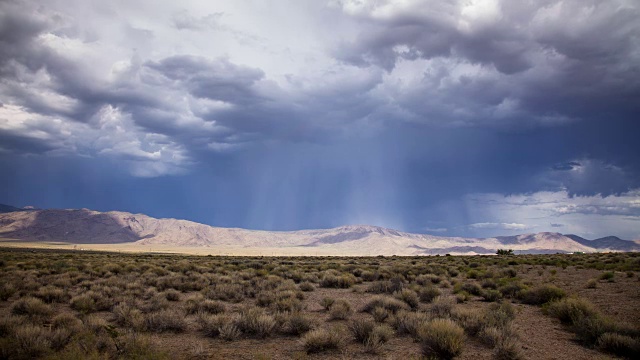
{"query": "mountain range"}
(83, 226)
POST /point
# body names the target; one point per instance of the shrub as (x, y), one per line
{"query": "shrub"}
(512, 289)
(127, 316)
(30, 341)
(296, 323)
(361, 329)
(592, 284)
(380, 314)
(620, 345)
(340, 310)
(499, 314)
(211, 324)
(32, 307)
(428, 293)
(442, 306)
(608, 275)
(441, 338)
(490, 335)
(256, 322)
(508, 348)
(229, 332)
(343, 281)
(376, 339)
(491, 295)
(471, 320)
(391, 304)
(306, 286)
(327, 302)
(66, 321)
(137, 346)
(51, 294)
(409, 296)
(84, 303)
(570, 310)
(165, 320)
(6, 291)
(172, 295)
(541, 295)
(320, 340)
(405, 322)
(462, 296)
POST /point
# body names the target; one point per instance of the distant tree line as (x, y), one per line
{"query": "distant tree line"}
(504, 252)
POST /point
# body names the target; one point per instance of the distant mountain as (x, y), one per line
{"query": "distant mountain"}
(607, 243)
(92, 227)
(8, 208)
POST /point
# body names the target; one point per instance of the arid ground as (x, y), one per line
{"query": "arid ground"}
(72, 304)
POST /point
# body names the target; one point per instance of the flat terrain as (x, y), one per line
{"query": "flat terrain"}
(63, 304)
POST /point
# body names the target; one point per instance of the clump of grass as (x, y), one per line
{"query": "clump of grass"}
(372, 336)
(361, 329)
(340, 310)
(321, 340)
(441, 338)
(541, 295)
(592, 284)
(172, 295)
(332, 280)
(471, 320)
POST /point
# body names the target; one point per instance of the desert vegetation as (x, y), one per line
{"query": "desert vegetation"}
(92, 305)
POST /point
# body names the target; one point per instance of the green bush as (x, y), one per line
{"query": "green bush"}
(620, 345)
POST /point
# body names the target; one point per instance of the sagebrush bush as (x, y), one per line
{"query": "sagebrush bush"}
(471, 320)
(428, 293)
(508, 348)
(296, 323)
(380, 314)
(620, 345)
(441, 338)
(407, 322)
(127, 316)
(391, 304)
(327, 302)
(254, 321)
(165, 320)
(571, 310)
(320, 340)
(31, 306)
(361, 329)
(51, 294)
(541, 295)
(442, 306)
(211, 324)
(30, 341)
(340, 310)
(409, 296)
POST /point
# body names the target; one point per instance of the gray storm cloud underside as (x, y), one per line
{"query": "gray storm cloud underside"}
(418, 115)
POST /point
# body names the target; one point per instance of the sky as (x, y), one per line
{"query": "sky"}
(453, 118)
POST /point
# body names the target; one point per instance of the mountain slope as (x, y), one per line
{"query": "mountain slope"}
(114, 227)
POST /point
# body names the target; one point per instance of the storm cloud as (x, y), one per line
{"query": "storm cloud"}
(426, 116)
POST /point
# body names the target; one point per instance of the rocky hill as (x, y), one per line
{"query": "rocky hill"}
(92, 227)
